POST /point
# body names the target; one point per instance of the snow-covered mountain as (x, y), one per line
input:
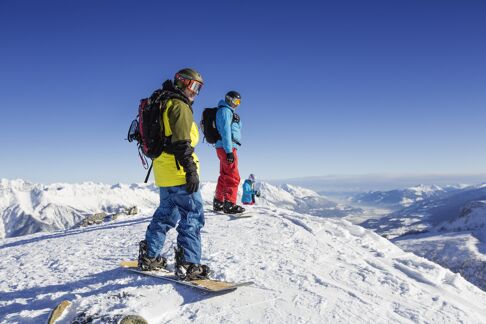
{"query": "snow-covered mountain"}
(450, 230)
(472, 217)
(400, 198)
(427, 215)
(305, 269)
(302, 200)
(27, 208)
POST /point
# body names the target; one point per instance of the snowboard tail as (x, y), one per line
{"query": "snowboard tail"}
(209, 285)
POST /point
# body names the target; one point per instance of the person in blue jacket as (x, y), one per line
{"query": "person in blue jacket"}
(228, 125)
(249, 191)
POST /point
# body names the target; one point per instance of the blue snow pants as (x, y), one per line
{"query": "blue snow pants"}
(176, 204)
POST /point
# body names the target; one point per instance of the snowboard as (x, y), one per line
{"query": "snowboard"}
(245, 214)
(208, 285)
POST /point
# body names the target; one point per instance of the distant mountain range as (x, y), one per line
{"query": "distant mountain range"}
(403, 197)
(447, 226)
(27, 208)
(428, 212)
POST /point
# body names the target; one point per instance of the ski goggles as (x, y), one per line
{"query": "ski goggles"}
(236, 101)
(193, 85)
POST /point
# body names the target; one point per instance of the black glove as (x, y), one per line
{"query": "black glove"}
(192, 182)
(230, 157)
(183, 154)
(257, 193)
(236, 118)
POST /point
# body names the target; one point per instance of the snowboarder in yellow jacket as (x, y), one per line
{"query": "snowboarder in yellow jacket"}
(176, 173)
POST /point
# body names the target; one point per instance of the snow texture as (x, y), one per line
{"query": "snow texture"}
(449, 229)
(306, 269)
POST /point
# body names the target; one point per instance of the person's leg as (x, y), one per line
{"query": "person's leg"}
(232, 179)
(191, 212)
(165, 218)
(220, 187)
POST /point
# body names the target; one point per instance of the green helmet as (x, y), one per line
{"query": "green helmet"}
(186, 77)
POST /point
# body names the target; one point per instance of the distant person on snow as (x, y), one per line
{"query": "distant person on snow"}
(176, 173)
(228, 125)
(249, 191)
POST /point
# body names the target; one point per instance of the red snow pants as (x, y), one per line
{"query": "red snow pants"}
(229, 177)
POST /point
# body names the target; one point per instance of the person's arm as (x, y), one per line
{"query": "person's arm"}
(180, 121)
(224, 128)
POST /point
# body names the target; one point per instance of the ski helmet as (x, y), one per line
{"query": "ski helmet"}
(190, 79)
(251, 177)
(233, 98)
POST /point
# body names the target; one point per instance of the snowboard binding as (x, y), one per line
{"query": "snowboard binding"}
(149, 264)
(189, 271)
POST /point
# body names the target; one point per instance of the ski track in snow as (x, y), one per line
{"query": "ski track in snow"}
(306, 270)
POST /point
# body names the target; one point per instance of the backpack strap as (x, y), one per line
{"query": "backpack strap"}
(148, 172)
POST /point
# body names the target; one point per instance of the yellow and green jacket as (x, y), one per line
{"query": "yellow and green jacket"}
(170, 169)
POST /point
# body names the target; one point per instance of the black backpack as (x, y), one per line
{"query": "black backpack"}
(147, 129)
(208, 125)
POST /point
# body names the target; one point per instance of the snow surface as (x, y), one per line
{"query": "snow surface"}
(306, 269)
(461, 252)
(449, 229)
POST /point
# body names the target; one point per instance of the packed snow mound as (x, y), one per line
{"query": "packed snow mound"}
(29, 208)
(400, 198)
(305, 270)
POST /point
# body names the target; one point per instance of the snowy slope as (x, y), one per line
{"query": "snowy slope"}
(27, 208)
(458, 243)
(450, 230)
(306, 270)
(302, 200)
(471, 218)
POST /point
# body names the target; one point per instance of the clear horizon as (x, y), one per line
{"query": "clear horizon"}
(328, 88)
(333, 184)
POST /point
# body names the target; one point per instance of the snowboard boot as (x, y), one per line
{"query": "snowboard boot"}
(149, 264)
(189, 271)
(217, 205)
(230, 208)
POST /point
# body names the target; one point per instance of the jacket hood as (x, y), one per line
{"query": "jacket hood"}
(173, 92)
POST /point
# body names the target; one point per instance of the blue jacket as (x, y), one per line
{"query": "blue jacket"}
(248, 192)
(228, 130)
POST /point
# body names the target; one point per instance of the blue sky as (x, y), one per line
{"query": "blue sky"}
(342, 87)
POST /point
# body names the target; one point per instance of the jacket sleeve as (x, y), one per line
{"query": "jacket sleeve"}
(180, 121)
(224, 128)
